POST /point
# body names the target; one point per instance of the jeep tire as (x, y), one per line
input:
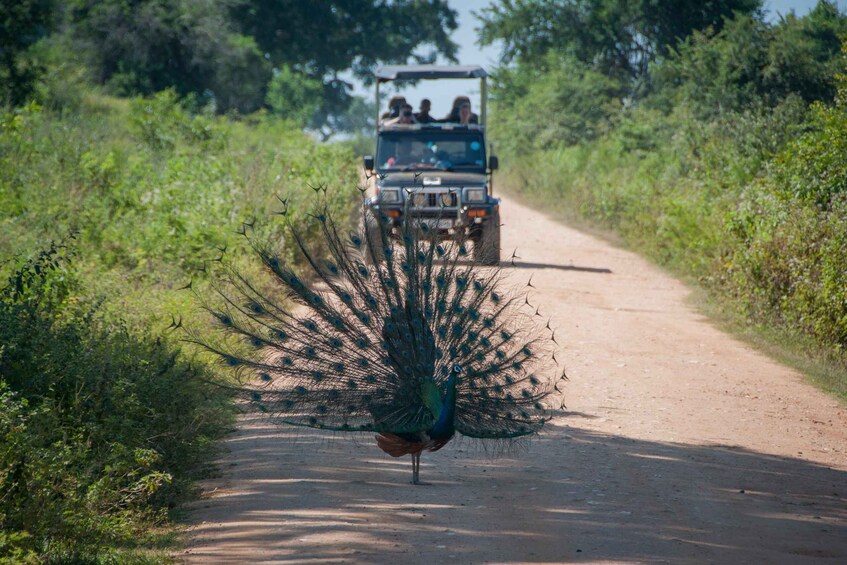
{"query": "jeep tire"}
(487, 243)
(373, 251)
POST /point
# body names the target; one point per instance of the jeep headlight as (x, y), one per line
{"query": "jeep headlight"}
(389, 196)
(474, 195)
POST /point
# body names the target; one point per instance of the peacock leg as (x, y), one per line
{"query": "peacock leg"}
(416, 459)
(416, 470)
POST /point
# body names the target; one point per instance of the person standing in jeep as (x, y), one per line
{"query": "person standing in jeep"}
(423, 117)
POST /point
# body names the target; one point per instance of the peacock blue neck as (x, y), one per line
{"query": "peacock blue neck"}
(444, 427)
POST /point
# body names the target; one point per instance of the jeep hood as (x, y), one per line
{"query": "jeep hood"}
(430, 179)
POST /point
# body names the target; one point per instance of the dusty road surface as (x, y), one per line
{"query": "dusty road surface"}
(679, 445)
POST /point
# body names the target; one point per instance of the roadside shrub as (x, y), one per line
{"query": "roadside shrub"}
(161, 122)
(102, 424)
(101, 431)
(791, 246)
(567, 104)
(751, 203)
(154, 192)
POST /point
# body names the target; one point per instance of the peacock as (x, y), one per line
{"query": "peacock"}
(389, 331)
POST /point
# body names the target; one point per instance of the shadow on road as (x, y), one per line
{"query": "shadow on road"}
(577, 268)
(571, 495)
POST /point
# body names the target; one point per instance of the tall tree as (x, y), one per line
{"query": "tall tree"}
(144, 46)
(753, 62)
(324, 38)
(618, 38)
(229, 48)
(22, 23)
(328, 36)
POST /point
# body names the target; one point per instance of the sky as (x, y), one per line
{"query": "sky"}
(441, 93)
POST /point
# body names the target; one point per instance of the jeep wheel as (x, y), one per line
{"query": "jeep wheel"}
(373, 242)
(487, 244)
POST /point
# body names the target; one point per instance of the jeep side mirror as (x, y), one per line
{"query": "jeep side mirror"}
(368, 162)
(493, 163)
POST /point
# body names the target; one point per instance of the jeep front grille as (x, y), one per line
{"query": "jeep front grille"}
(435, 199)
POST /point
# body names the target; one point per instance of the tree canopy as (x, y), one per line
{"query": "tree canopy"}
(619, 38)
(22, 23)
(329, 36)
(230, 52)
(752, 62)
(571, 69)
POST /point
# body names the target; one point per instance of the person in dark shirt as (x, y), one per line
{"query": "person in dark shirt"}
(423, 117)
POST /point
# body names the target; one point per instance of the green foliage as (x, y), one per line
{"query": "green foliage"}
(568, 103)
(791, 239)
(813, 169)
(152, 190)
(323, 39)
(161, 123)
(730, 168)
(189, 45)
(617, 39)
(240, 55)
(228, 56)
(331, 36)
(750, 62)
(581, 66)
(100, 430)
(22, 23)
(102, 423)
(359, 121)
(294, 96)
(751, 201)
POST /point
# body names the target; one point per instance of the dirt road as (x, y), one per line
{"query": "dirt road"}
(680, 445)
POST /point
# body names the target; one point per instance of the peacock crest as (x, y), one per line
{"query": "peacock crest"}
(395, 333)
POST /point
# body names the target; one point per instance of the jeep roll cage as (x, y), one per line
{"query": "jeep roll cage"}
(428, 72)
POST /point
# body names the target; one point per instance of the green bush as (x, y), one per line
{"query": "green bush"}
(751, 62)
(100, 430)
(790, 245)
(154, 191)
(750, 202)
(104, 424)
(294, 96)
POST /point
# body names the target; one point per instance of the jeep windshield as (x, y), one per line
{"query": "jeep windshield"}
(422, 150)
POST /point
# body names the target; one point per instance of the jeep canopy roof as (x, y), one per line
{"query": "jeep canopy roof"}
(412, 72)
(430, 72)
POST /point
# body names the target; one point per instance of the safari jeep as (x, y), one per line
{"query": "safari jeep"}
(437, 173)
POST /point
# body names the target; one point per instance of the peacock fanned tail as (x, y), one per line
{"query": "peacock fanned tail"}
(364, 337)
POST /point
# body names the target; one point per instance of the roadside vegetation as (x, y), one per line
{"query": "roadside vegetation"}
(719, 150)
(108, 208)
(136, 141)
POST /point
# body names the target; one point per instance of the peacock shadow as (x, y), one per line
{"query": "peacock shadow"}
(572, 494)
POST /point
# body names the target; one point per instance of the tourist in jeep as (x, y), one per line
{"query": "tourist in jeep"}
(404, 155)
(454, 116)
(466, 116)
(394, 107)
(407, 116)
(424, 117)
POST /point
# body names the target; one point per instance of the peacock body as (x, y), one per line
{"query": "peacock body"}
(399, 334)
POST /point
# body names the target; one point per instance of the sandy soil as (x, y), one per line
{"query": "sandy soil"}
(680, 445)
